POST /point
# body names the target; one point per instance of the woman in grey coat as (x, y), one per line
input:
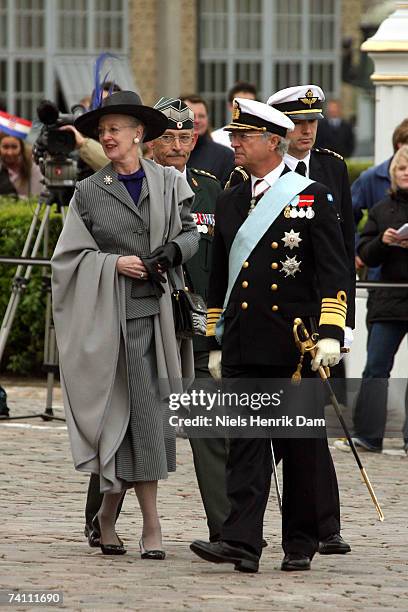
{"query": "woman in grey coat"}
(119, 256)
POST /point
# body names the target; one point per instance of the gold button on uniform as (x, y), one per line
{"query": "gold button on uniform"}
(244, 305)
(274, 265)
(274, 287)
(244, 284)
(245, 264)
(275, 308)
(274, 245)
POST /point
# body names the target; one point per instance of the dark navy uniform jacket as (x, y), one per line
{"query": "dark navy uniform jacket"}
(329, 168)
(270, 290)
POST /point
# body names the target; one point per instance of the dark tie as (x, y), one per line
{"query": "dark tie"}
(301, 168)
(256, 185)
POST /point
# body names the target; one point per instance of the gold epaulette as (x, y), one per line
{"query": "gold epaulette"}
(213, 314)
(204, 173)
(238, 175)
(328, 152)
(334, 310)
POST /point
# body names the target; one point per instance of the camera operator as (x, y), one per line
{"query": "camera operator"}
(90, 151)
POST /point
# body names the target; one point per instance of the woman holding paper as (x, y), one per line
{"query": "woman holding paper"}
(384, 242)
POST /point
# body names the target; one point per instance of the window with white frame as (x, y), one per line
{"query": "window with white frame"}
(34, 34)
(72, 24)
(271, 43)
(29, 21)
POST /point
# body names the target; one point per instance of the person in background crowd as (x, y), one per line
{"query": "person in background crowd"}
(19, 175)
(373, 185)
(207, 154)
(173, 148)
(241, 89)
(387, 315)
(334, 132)
(127, 226)
(303, 105)
(297, 267)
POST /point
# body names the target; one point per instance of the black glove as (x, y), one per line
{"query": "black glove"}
(167, 256)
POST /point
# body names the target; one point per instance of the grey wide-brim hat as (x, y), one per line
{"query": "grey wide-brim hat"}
(124, 103)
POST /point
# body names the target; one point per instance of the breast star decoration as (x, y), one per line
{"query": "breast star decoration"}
(108, 180)
(290, 266)
(291, 239)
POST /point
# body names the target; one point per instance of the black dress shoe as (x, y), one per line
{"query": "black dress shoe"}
(94, 537)
(295, 562)
(107, 549)
(4, 412)
(222, 552)
(334, 545)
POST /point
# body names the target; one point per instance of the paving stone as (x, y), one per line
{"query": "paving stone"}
(42, 502)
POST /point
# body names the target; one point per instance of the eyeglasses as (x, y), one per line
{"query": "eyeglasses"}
(245, 137)
(169, 139)
(112, 131)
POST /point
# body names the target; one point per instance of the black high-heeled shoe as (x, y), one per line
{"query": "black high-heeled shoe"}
(155, 555)
(108, 549)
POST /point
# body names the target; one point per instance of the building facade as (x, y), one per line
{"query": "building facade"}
(48, 49)
(173, 47)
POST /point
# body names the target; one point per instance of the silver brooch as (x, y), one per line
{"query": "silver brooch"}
(108, 180)
(290, 266)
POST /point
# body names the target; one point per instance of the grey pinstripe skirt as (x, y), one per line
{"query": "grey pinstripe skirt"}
(148, 450)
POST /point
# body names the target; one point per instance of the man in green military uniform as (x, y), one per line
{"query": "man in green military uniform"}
(173, 148)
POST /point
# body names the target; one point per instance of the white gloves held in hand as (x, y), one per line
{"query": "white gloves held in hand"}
(327, 353)
(214, 364)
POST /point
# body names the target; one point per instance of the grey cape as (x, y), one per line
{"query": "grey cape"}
(90, 323)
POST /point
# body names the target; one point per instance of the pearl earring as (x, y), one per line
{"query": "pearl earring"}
(136, 140)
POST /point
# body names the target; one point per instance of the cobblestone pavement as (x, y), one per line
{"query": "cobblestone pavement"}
(42, 546)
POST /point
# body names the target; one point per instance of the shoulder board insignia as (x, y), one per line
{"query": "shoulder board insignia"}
(328, 152)
(238, 175)
(204, 173)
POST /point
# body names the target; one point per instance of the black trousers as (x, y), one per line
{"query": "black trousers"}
(307, 483)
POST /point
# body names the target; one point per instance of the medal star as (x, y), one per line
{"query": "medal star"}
(108, 180)
(290, 266)
(291, 239)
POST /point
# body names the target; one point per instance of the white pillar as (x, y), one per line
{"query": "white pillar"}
(388, 49)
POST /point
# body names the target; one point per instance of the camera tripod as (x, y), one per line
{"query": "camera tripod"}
(59, 196)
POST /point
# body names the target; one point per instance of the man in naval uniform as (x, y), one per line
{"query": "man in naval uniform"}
(296, 269)
(303, 105)
(173, 148)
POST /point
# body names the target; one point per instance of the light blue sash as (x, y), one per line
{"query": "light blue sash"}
(255, 226)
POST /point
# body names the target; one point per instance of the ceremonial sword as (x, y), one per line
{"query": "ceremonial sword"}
(306, 344)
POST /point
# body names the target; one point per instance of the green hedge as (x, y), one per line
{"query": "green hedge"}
(24, 350)
(355, 168)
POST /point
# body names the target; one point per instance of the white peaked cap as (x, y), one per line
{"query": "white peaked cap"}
(300, 102)
(251, 115)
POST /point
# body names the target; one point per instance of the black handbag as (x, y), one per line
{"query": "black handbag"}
(190, 313)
